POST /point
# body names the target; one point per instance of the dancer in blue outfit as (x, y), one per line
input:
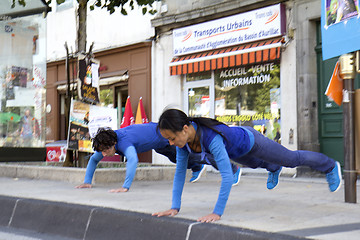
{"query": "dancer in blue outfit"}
(241, 144)
(136, 139)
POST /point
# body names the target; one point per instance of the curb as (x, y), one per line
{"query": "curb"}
(87, 222)
(116, 175)
(76, 175)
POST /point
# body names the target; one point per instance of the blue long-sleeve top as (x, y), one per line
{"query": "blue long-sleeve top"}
(131, 140)
(238, 141)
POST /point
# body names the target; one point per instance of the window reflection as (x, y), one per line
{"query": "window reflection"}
(22, 79)
(250, 96)
(199, 102)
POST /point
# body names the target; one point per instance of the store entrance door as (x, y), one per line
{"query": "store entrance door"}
(199, 98)
(121, 94)
(331, 134)
(329, 113)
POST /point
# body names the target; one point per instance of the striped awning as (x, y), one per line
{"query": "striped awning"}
(250, 53)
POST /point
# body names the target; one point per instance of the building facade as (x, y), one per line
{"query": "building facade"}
(124, 52)
(271, 78)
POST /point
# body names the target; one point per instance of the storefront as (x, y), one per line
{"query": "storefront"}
(231, 68)
(124, 71)
(23, 81)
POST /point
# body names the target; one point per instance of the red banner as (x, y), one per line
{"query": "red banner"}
(128, 118)
(140, 113)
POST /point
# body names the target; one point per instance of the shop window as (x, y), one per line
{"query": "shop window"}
(107, 97)
(23, 80)
(249, 96)
(244, 96)
(199, 95)
(199, 101)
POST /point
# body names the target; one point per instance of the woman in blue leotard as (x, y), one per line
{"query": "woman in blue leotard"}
(241, 144)
(136, 139)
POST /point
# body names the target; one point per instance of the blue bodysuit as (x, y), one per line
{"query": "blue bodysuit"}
(140, 138)
(131, 140)
(246, 146)
(213, 143)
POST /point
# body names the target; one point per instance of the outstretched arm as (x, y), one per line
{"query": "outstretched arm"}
(217, 148)
(132, 161)
(179, 178)
(178, 185)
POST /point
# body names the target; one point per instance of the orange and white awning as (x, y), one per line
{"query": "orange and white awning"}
(250, 53)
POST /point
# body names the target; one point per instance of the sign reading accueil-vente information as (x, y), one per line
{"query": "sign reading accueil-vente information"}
(250, 26)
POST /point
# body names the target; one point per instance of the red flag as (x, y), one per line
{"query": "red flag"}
(128, 118)
(140, 113)
(335, 87)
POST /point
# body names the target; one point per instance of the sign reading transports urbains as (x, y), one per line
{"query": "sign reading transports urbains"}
(245, 27)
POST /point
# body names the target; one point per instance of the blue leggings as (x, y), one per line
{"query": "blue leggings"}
(170, 152)
(269, 154)
(195, 162)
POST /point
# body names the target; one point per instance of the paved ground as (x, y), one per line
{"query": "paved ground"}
(16, 234)
(298, 206)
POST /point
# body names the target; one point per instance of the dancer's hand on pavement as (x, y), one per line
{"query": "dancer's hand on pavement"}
(170, 212)
(117, 190)
(209, 218)
(84, 185)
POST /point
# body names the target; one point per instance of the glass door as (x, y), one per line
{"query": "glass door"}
(199, 98)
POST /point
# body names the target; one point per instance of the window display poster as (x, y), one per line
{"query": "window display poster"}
(19, 127)
(250, 96)
(101, 117)
(16, 77)
(85, 119)
(21, 120)
(22, 61)
(89, 80)
(79, 136)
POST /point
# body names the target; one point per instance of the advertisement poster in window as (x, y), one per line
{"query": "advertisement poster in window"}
(250, 96)
(85, 119)
(79, 136)
(102, 117)
(22, 82)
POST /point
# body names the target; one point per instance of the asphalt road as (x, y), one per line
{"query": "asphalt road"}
(301, 207)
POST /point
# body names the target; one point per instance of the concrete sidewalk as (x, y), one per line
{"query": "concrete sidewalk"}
(301, 207)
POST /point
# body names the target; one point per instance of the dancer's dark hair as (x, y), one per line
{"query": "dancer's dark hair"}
(104, 139)
(174, 120)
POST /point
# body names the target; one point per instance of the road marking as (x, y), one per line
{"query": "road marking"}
(189, 230)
